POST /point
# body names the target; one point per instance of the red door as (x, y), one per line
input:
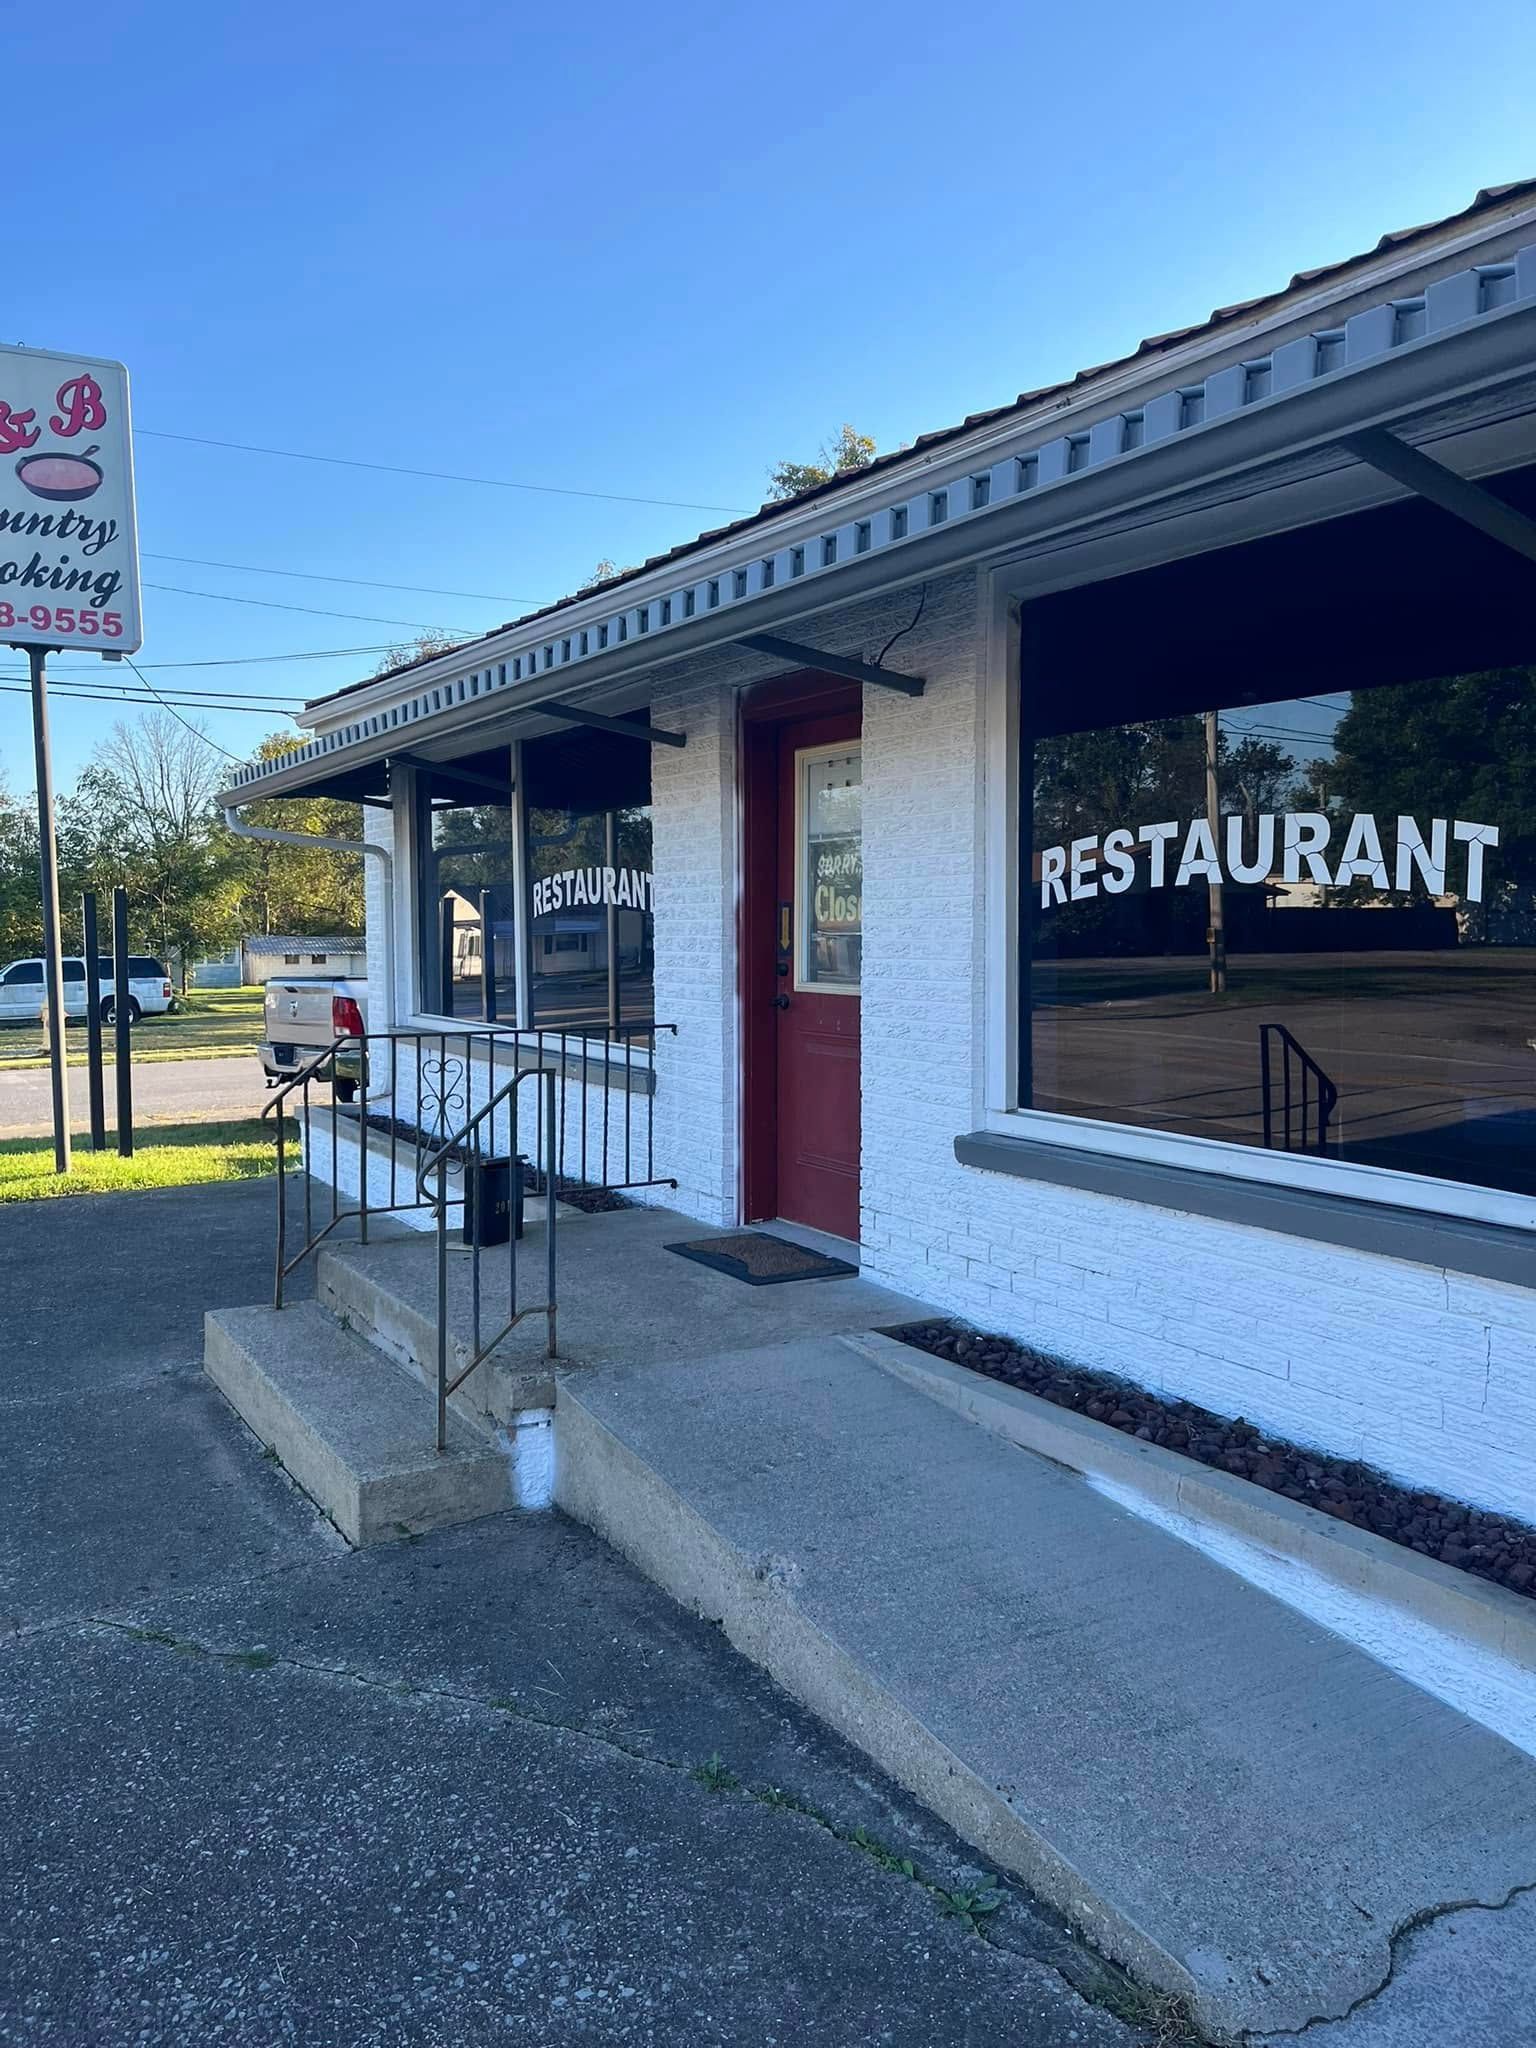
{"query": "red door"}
(820, 944)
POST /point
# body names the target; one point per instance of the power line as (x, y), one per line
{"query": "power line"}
(137, 697)
(318, 576)
(195, 730)
(445, 476)
(271, 604)
(130, 693)
(183, 693)
(251, 660)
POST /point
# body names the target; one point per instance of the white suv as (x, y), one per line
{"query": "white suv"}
(21, 989)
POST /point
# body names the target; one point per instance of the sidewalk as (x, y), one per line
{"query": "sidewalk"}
(1236, 1802)
(450, 1792)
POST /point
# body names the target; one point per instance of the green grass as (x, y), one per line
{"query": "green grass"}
(165, 1156)
(214, 1023)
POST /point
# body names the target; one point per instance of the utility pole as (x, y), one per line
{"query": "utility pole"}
(48, 872)
(1216, 931)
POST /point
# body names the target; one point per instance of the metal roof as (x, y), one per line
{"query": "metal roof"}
(1042, 463)
(1488, 198)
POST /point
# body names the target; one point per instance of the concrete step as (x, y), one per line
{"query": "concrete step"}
(354, 1431)
(622, 1296)
(1240, 1806)
(387, 1293)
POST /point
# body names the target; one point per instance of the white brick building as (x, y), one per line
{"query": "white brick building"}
(1104, 898)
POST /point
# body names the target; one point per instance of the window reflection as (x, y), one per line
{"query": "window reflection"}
(592, 918)
(1355, 870)
(467, 902)
(830, 876)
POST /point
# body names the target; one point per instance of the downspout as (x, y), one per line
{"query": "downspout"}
(314, 841)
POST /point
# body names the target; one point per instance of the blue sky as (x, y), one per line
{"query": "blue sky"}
(647, 252)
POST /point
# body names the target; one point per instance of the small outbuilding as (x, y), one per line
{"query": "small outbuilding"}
(262, 956)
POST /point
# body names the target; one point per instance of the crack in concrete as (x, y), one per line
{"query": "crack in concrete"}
(1103, 1983)
(1396, 1941)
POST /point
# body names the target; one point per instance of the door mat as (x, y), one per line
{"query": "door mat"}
(763, 1261)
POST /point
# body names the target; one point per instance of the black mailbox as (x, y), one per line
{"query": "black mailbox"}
(493, 1201)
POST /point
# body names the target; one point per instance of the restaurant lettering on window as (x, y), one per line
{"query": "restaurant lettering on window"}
(1334, 889)
(1292, 847)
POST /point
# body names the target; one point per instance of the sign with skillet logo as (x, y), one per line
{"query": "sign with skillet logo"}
(69, 559)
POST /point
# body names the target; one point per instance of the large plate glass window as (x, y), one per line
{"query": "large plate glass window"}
(1300, 918)
(592, 912)
(467, 903)
(829, 870)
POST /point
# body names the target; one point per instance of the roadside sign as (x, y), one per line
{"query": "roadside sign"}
(69, 554)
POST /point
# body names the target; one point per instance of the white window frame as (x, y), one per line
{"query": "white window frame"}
(1000, 1112)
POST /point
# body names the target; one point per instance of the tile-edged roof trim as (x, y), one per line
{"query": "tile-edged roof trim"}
(548, 644)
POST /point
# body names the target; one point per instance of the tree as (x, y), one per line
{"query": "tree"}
(145, 806)
(849, 452)
(289, 888)
(602, 572)
(1447, 747)
(425, 645)
(21, 920)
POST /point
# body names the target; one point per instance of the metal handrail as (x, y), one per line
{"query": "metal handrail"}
(466, 1143)
(276, 1101)
(1321, 1098)
(412, 1082)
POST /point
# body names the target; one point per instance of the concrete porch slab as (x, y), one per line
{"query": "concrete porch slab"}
(1242, 1807)
(622, 1296)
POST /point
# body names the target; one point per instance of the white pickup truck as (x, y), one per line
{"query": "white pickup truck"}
(302, 1015)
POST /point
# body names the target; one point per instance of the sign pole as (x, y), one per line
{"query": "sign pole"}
(48, 866)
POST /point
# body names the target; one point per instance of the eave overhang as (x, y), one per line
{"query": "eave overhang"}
(1462, 350)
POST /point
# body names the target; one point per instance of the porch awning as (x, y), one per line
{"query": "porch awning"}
(1436, 345)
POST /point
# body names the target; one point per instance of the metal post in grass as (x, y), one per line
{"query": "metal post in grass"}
(48, 869)
(120, 1000)
(92, 944)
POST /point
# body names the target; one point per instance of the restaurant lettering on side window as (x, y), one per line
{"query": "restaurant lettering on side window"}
(1085, 861)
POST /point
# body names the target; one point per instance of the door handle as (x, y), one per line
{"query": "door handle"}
(781, 1002)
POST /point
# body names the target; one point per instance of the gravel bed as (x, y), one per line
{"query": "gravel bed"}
(1491, 1545)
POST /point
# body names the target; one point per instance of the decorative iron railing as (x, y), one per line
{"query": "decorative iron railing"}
(403, 1122)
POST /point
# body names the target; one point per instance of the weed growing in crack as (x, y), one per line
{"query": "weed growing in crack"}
(1165, 2017)
(714, 1776)
(970, 1907)
(777, 1800)
(259, 1659)
(885, 1859)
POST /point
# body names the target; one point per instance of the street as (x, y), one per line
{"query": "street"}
(164, 1091)
(489, 1785)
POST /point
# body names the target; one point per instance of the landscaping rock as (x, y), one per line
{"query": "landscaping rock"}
(1473, 1539)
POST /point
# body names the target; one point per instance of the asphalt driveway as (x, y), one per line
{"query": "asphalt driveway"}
(489, 1786)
